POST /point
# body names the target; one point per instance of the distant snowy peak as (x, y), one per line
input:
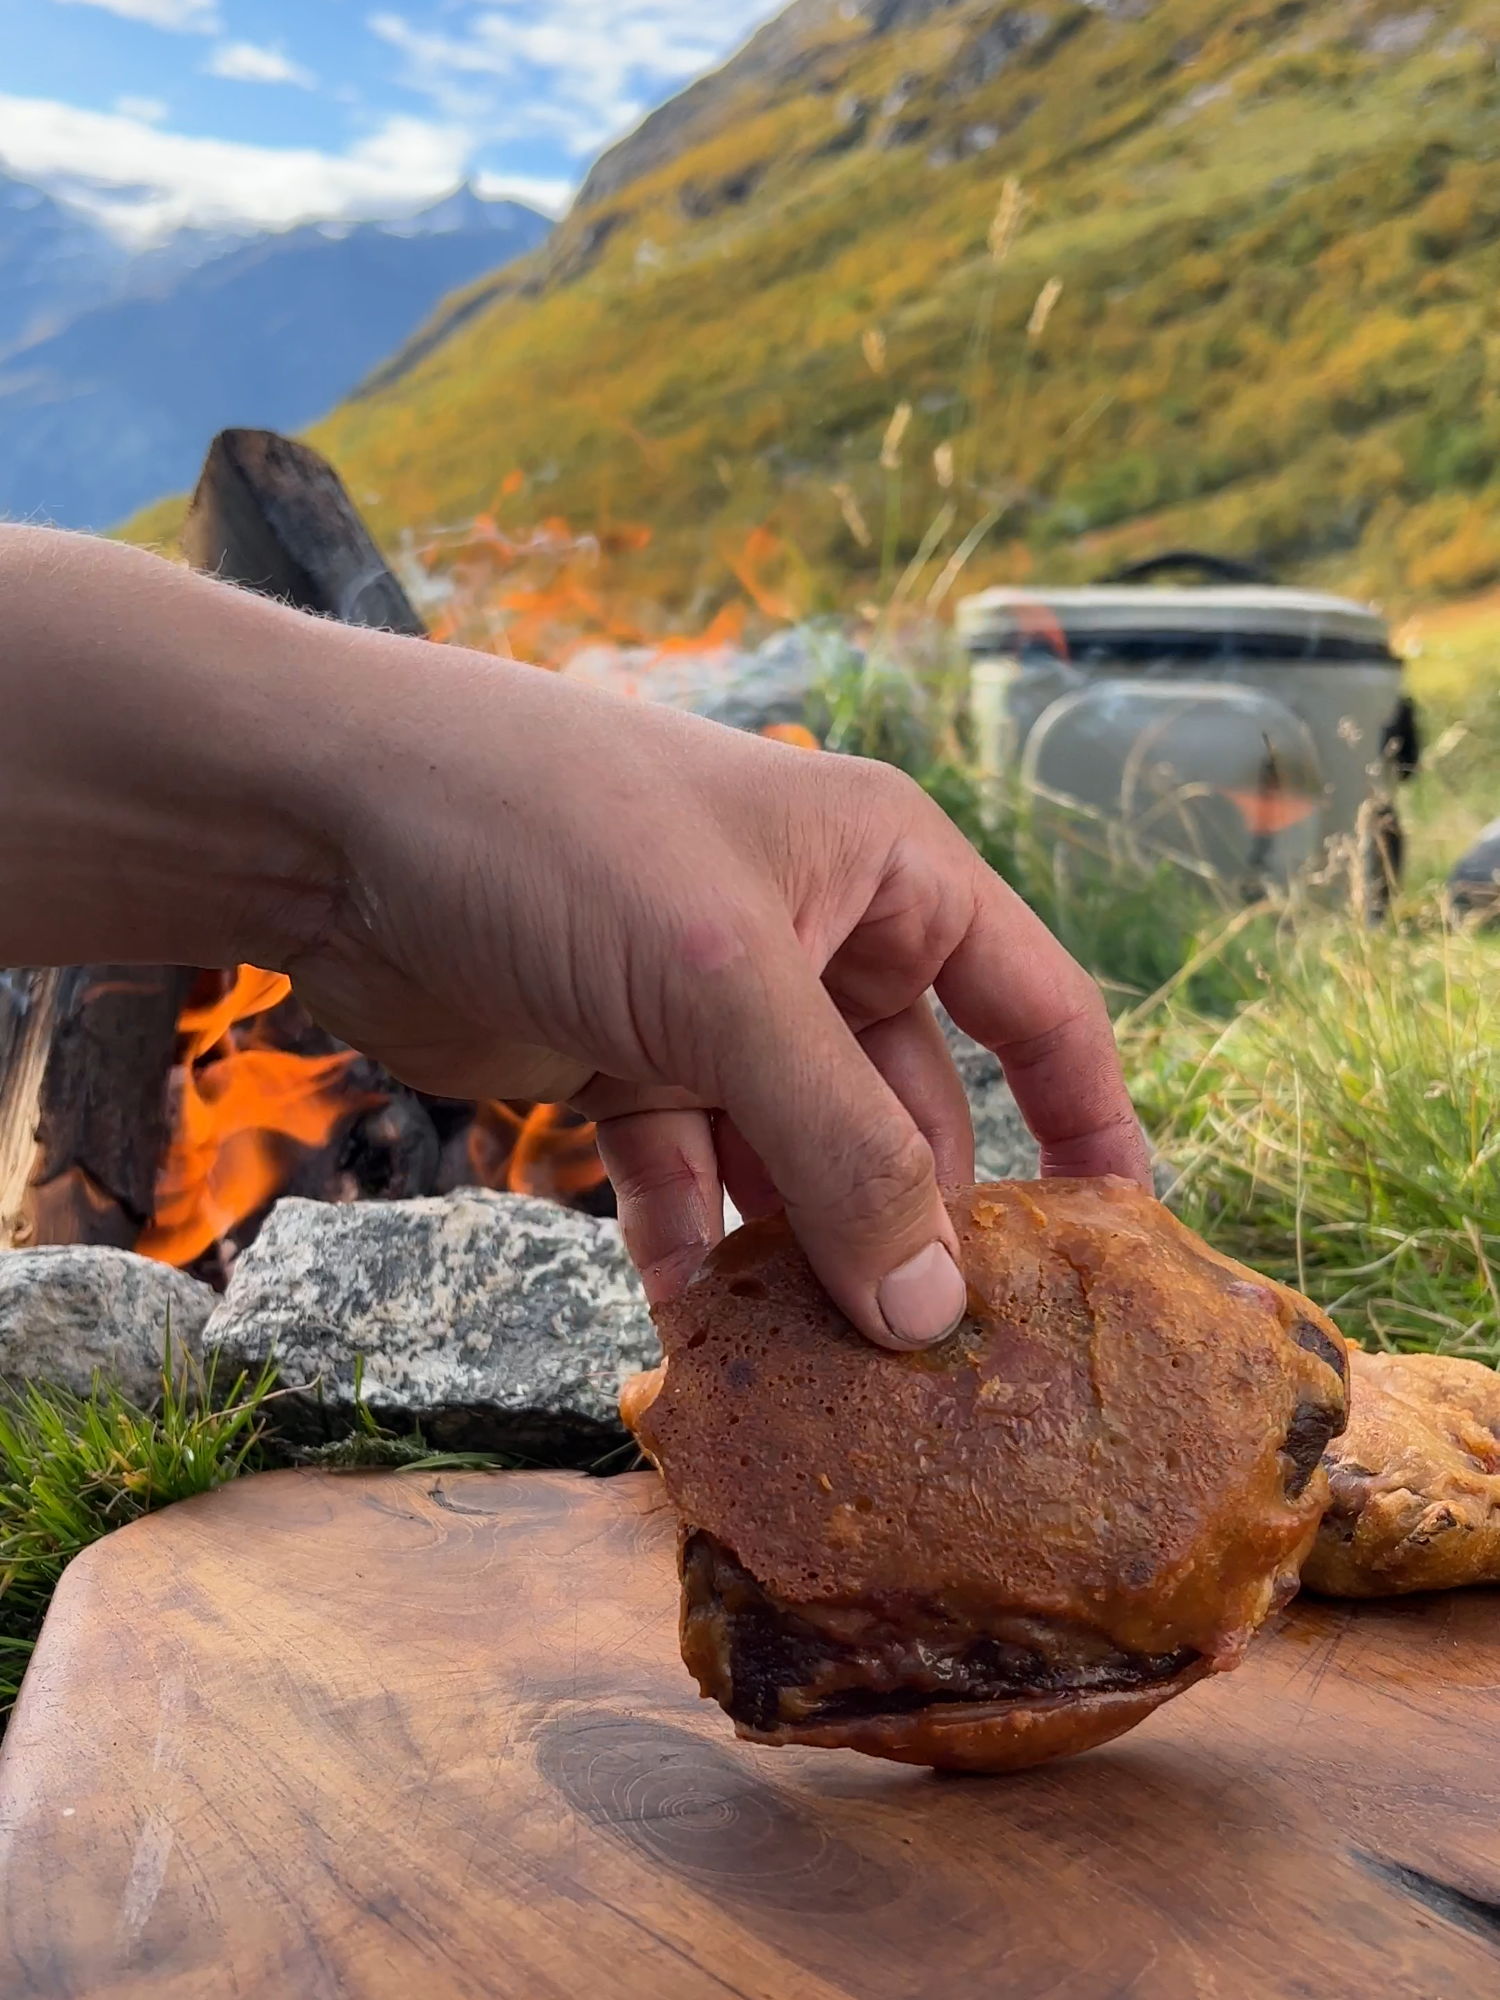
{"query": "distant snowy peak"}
(466, 209)
(56, 261)
(115, 402)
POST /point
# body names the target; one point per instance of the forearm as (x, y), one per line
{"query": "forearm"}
(165, 742)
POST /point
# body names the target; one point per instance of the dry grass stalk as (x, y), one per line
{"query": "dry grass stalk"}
(1041, 312)
(954, 568)
(937, 531)
(854, 520)
(895, 431)
(942, 465)
(1008, 218)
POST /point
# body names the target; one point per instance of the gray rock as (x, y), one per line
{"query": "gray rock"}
(1004, 1149)
(772, 684)
(744, 690)
(492, 1321)
(1003, 1146)
(69, 1311)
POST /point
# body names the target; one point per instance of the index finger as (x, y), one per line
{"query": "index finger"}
(1013, 987)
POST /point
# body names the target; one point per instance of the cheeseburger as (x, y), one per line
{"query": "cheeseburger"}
(1018, 1543)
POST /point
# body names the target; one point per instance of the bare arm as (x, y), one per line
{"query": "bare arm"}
(162, 740)
(504, 884)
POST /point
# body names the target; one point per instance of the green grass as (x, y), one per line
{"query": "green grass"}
(1342, 1130)
(1453, 668)
(73, 1469)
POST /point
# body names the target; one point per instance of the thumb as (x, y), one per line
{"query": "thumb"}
(854, 1172)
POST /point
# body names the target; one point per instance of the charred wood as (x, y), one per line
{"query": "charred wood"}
(271, 514)
(86, 1056)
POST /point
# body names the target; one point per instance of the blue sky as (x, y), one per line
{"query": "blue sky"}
(160, 113)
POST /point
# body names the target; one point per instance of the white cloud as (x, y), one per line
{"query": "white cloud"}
(536, 190)
(245, 62)
(546, 82)
(576, 71)
(149, 110)
(192, 17)
(143, 182)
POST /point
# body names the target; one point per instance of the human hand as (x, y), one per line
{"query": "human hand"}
(717, 947)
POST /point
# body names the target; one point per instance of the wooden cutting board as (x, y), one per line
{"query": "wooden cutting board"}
(404, 1735)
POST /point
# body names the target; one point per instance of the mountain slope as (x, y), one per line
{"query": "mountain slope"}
(120, 403)
(1277, 227)
(53, 262)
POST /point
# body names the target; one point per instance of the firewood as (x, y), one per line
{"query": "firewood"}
(28, 1011)
(271, 514)
(86, 1057)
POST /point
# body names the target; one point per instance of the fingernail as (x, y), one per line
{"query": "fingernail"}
(924, 1299)
(664, 1278)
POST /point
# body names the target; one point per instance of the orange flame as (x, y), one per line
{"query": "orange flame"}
(534, 1152)
(725, 629)
(223, 1162)
(545, 592)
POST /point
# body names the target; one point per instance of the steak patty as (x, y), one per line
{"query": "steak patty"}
(768, 1664)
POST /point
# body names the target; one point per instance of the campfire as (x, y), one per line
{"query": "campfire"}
(175, 1139)
(264, 1104)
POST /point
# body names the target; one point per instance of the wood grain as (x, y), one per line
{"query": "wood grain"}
(27, 1018)
(339, 1735)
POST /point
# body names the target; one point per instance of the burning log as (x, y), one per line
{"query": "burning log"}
(86, 1053)
(271, 514)
(266, 1104)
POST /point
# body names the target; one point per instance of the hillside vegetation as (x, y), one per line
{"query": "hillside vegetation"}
(1277, 229)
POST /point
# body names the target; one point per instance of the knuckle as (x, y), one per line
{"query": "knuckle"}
(888, 1182)
(1082, 1020)
(877, 805)
(649, 1181)
(892, 789)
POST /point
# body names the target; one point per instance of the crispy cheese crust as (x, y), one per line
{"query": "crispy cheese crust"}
(1415, 1480)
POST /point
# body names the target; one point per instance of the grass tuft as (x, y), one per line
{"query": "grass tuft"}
(74, 1468)
(1342, 1131)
